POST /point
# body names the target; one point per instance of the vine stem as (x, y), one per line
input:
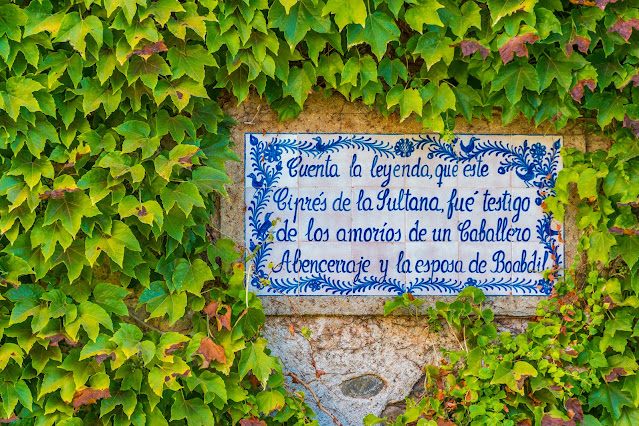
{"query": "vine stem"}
(296, 379)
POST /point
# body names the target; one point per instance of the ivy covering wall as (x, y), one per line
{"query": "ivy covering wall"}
(112, 149)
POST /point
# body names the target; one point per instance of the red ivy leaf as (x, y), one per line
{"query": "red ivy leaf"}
(616, 372)
(524, 422)
(149, 49)
(583, 2)
(11, 419)
(56, 193)
(469, 47)
(517, 45)
(577, 92)
(624, 28)
(582, 43)
(548, 420)
(573, 407)
(630, 124)
(211, 352)
(89, 396)
(102, 357)
(211, 309)
(55, 339)
(253, 421)
(615, 229)
(223, 320)
(173, 348)
(603, 3)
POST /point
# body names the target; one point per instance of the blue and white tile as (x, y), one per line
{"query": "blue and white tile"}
(325, 211)
(378, 165)
(274, 153)
(270, 213)
(324, 161)
(537, 165)
(484, 168)
(326, 268)
(434, 268)
(486, 266)
(276, 270)
(383, 276)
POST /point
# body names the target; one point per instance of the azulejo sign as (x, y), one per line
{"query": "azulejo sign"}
(364, 214)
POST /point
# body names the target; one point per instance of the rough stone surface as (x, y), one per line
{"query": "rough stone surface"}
(391, 348)
(350, 339)
(364, 387)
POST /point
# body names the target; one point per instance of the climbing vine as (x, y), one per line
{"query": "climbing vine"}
(119, 302)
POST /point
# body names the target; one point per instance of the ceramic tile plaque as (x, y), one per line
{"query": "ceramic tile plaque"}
(369, 214)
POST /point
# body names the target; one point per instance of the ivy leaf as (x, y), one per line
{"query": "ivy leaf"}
(185, 195)
(169, 343)
(11, 19)
(180, 91)
(502, 8)
(54, 379)
(346, 12)
(32, 170)
(513, 78)
(191, 276)
(609, 105)
(148, 70)
(17, 93)
(113, 243)
(73, 258)
(254, 359)
(611, 398)
(90, 317)
(300, 81)
(94, 95)
(628, 248)
(190, 61)
(69, 211)
(409, 101)
(555, 68)
(111, 298)
(161, 10)
(38, 135)
(423, 12)
(433, 48)
(210, 383)
(197, 413)
(177, 126)
(391, 70)
(600, 245)
(147, 212)
(160, 302)
(75, 29)
(300, 18)
(208, 180)
(380, 29)
(136, 135)
(270, 400)
(517, 45)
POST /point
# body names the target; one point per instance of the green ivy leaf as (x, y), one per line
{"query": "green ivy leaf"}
(74, 29)
(433, 48)
(160, 302)
(254, 359)
(346, 12)
(513, 78)
(112, 243)
(379, 30)
(191, 276)
(197, 413)
(423, 12)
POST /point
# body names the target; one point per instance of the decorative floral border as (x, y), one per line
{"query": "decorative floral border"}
(534, 164)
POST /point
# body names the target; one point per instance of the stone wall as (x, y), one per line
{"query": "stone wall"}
(357, 361)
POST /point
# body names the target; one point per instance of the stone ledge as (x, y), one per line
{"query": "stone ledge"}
(503, 306)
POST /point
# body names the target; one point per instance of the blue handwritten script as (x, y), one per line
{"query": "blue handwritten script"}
(342, 214)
